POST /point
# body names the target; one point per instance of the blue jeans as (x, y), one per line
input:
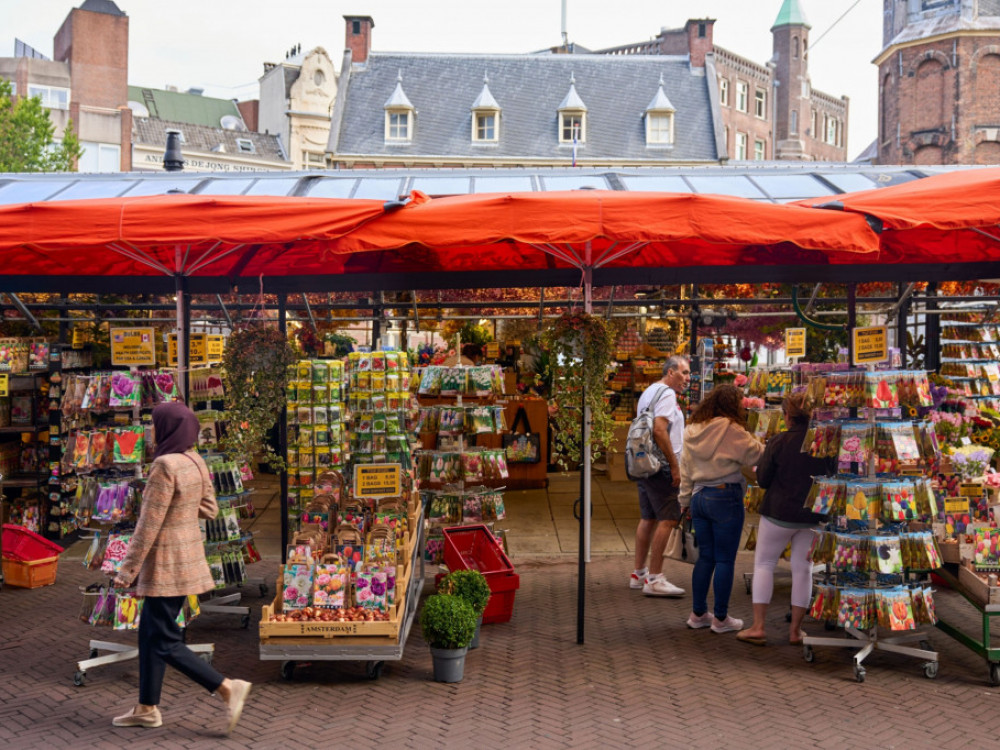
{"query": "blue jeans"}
(717, 517)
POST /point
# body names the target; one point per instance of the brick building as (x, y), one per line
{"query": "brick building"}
(769, 110)
(939, 81)
(86, 82)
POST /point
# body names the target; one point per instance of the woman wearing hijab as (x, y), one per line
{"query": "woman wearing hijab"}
(166, 559)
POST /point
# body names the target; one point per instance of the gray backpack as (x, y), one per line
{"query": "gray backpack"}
(643, 457)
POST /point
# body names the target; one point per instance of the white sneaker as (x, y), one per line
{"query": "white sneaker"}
(703, 621)
(726, 626)
(636, 581)
(660, 586)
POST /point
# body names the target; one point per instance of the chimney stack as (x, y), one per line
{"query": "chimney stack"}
(358, 37)
(172, 159)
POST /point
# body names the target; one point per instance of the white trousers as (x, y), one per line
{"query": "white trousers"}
(771, 542)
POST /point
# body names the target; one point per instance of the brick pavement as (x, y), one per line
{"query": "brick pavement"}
(642, 679)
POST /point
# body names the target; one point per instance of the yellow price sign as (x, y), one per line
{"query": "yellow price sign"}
(133, 347)
(4, 385)
(493, 350)
(216, 347)
(971, 489)
(377, 480)
(795, 342)
(871, 345)
(197, 349)
(956, 505)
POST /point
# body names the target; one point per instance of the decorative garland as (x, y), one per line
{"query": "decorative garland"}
(580, 349)
(255, 375)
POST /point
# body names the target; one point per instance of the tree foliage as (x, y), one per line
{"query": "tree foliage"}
(27, 136)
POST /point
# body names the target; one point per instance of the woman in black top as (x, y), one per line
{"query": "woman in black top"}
(786, 473)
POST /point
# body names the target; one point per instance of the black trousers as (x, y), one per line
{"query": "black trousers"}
(161, 643)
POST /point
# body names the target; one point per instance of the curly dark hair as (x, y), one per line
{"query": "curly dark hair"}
(722, 401)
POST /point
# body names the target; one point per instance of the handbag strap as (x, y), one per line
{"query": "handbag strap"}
(521, 415)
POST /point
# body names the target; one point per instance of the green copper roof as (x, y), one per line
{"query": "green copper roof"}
(790, 15)
(183, 107)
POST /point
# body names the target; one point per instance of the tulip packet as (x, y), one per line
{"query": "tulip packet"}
(129, 445)
(127, 611)
(298, 579)
(330, 584)
(126, 389)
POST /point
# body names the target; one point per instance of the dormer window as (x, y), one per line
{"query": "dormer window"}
(572, 116)
(399, 115)
(485, 116)
(660, 119)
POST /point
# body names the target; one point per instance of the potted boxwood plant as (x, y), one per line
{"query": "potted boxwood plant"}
(472, 586)
(448, 623)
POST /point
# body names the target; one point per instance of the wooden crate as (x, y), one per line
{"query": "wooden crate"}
(977, 587)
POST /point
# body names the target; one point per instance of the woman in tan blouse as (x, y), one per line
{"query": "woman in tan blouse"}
(166, 560)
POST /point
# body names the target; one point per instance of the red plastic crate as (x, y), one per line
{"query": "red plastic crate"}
(26, 546)
(475, 548)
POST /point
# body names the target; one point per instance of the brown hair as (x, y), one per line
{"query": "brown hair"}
(722, 401)
(795, 407)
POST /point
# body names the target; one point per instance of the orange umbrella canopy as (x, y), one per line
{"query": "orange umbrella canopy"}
(953, 217)
(240, 237)
(605, 229)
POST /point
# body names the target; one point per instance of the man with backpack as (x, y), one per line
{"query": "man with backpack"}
(659, 510)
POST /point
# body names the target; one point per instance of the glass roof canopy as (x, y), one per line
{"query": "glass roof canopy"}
(775, 182)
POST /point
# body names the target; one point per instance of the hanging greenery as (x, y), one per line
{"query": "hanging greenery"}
(255, 376)
(580, 350)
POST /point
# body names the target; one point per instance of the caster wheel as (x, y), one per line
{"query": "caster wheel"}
(994, 674)
(931, 670)
(859, 673)
(808, 654)
(373, 669)
(263, 589)
(245, 621)
(79, 678)
(93, 653)
(287, 670)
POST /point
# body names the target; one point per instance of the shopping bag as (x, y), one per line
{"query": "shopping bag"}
(681, 544)
(522, 447)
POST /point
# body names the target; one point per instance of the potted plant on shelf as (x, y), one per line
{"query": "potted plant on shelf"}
(448, 624)
(472, 586)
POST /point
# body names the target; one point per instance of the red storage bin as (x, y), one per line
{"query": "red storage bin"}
(26, 546)
(475, 548)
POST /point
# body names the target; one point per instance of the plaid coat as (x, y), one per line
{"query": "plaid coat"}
(166, 553)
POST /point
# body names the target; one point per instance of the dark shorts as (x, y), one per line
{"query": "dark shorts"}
(658, 498)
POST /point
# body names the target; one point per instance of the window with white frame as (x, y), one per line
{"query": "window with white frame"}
(742, 93)
(52, 97)
(397, 125)
(659, 128)
(486, 126)
(759, 150)
(760, 104)
(741, 146)
(245, 145)
(724, 92)
(100, 157)
(313, 160)
(572, 126)
(831, 131)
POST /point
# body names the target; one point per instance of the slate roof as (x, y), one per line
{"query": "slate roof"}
(151, 132)
(102, 6)
(183, 107)
(529, 89)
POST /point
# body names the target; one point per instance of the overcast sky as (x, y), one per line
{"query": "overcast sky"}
(221, 45)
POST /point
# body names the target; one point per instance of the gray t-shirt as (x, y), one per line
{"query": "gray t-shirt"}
(666, 407)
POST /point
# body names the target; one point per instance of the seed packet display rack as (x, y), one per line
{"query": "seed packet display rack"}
(874, 412)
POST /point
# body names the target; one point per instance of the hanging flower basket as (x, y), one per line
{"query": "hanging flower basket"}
(580, 348)
(255, 376)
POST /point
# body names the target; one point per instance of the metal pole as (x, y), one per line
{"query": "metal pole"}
(283, 440)
(932, 325)
(581, 572)
(852, 319)
(183, 335)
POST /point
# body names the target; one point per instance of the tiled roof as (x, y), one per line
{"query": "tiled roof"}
(184, 107)
(150, 132)
(528, 89)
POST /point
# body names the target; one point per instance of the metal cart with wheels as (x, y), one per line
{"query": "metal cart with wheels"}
(374, 651)
(987, 612)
